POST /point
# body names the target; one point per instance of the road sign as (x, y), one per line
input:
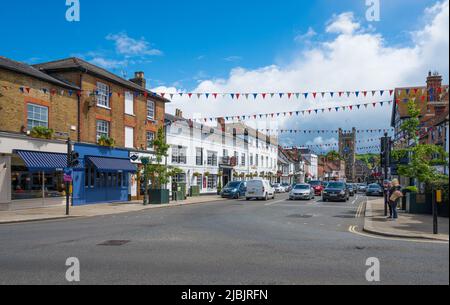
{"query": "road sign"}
(439, 196)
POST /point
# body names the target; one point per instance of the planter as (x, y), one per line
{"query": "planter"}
(159, 196)
(177, 196)
(418, 204)
(194, 191)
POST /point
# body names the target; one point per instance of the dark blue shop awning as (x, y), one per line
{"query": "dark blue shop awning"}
(43, 161)
(112, 164)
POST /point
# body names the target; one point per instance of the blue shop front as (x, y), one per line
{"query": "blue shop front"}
(103, 175)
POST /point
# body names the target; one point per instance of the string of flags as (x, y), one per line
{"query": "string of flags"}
(280, 95)
(68, 92)
(296, 113)
(330, 145)
(321, 131)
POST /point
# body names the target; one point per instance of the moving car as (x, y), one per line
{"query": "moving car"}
(302, 191)
(336, 191)
(234, 190)
(351, 189)
(374, 190)
(259, 189)
(279, 188)
(362, 188)
(287, 187)
(317, 186)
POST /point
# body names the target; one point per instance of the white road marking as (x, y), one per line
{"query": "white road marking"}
(275, 202)
(353, 229)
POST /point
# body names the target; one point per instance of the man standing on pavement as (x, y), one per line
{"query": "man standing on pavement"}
(394, 199)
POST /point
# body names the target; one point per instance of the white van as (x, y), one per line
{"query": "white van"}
(259, 189)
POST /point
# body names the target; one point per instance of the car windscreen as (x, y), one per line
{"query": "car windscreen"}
(315, 183)
(302, 187)
(233, 184)
(336, 185)
(374, 186)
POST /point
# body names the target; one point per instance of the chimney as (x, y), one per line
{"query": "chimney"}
(179, 113)
(139, 79)
(434, 84)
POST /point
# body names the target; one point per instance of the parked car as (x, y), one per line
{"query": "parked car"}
(317, 186)
(259, 189)
(351, 189)
(278, 188)
(336, 191)
(235, 190)
(302, 191)
(287, 187)
(374, 190)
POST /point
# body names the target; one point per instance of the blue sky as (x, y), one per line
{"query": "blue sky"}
(245, 46)
(198, 39)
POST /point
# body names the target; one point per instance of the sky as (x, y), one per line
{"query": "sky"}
(245, 46)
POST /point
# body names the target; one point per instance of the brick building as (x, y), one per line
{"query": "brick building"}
(30, 98)
(86, 103)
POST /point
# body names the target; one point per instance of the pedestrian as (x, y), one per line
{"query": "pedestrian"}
(394, 199)
(387, 191)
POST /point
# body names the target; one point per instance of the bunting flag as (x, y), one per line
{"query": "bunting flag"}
(323, 131)
(314, 95)
(292, 113)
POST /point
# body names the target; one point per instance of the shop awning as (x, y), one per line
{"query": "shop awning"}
(112, 164)
(43, 161)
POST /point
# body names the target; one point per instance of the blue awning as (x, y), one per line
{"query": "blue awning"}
(112, 164)
(43, 161)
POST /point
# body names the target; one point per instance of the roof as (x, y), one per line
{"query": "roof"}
(25, 69)
(74, 63)
(241, 128)
(401, 108)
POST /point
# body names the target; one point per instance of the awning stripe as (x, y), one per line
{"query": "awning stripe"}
(112, 164)
(42, 161)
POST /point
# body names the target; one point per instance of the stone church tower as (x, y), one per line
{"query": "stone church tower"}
(347, 150)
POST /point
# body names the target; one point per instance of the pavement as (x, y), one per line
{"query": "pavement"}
(406, 226)
(58, 212)
(226, 242)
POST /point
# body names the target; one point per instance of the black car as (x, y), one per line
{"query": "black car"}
(374, 190)
(336, 191)
(351, 189)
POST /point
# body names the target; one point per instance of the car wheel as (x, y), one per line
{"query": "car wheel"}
(248, 199)
(324, 200)
(237, 197)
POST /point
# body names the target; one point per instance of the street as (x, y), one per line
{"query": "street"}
(226, 242)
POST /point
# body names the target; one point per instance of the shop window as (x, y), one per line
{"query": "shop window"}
(35, 185)
(212, 182)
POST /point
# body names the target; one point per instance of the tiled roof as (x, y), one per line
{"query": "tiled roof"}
(80, 64)
(25, 69)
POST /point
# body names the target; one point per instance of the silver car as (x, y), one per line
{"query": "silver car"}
(302, 191)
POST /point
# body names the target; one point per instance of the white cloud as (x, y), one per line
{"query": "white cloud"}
(305, 36)
(354, 59)
(128, 46)
(343, 24)
(108, 63)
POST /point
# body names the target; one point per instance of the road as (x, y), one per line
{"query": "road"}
(227, 242)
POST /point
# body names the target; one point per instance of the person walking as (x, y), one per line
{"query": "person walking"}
(394, 199)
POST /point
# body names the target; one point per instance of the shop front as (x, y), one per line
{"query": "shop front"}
(137, 185)
(31, 172)
(104, 175)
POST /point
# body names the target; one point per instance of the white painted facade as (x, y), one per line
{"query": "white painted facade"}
(210, 157)
(313, 166)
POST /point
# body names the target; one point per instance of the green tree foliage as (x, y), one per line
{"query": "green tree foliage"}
(371, 160)
(156, 171)
(333, 156)
(423, 158)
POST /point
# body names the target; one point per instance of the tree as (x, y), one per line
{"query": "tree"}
(155, 171)
(333, 156)
(423, 158)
